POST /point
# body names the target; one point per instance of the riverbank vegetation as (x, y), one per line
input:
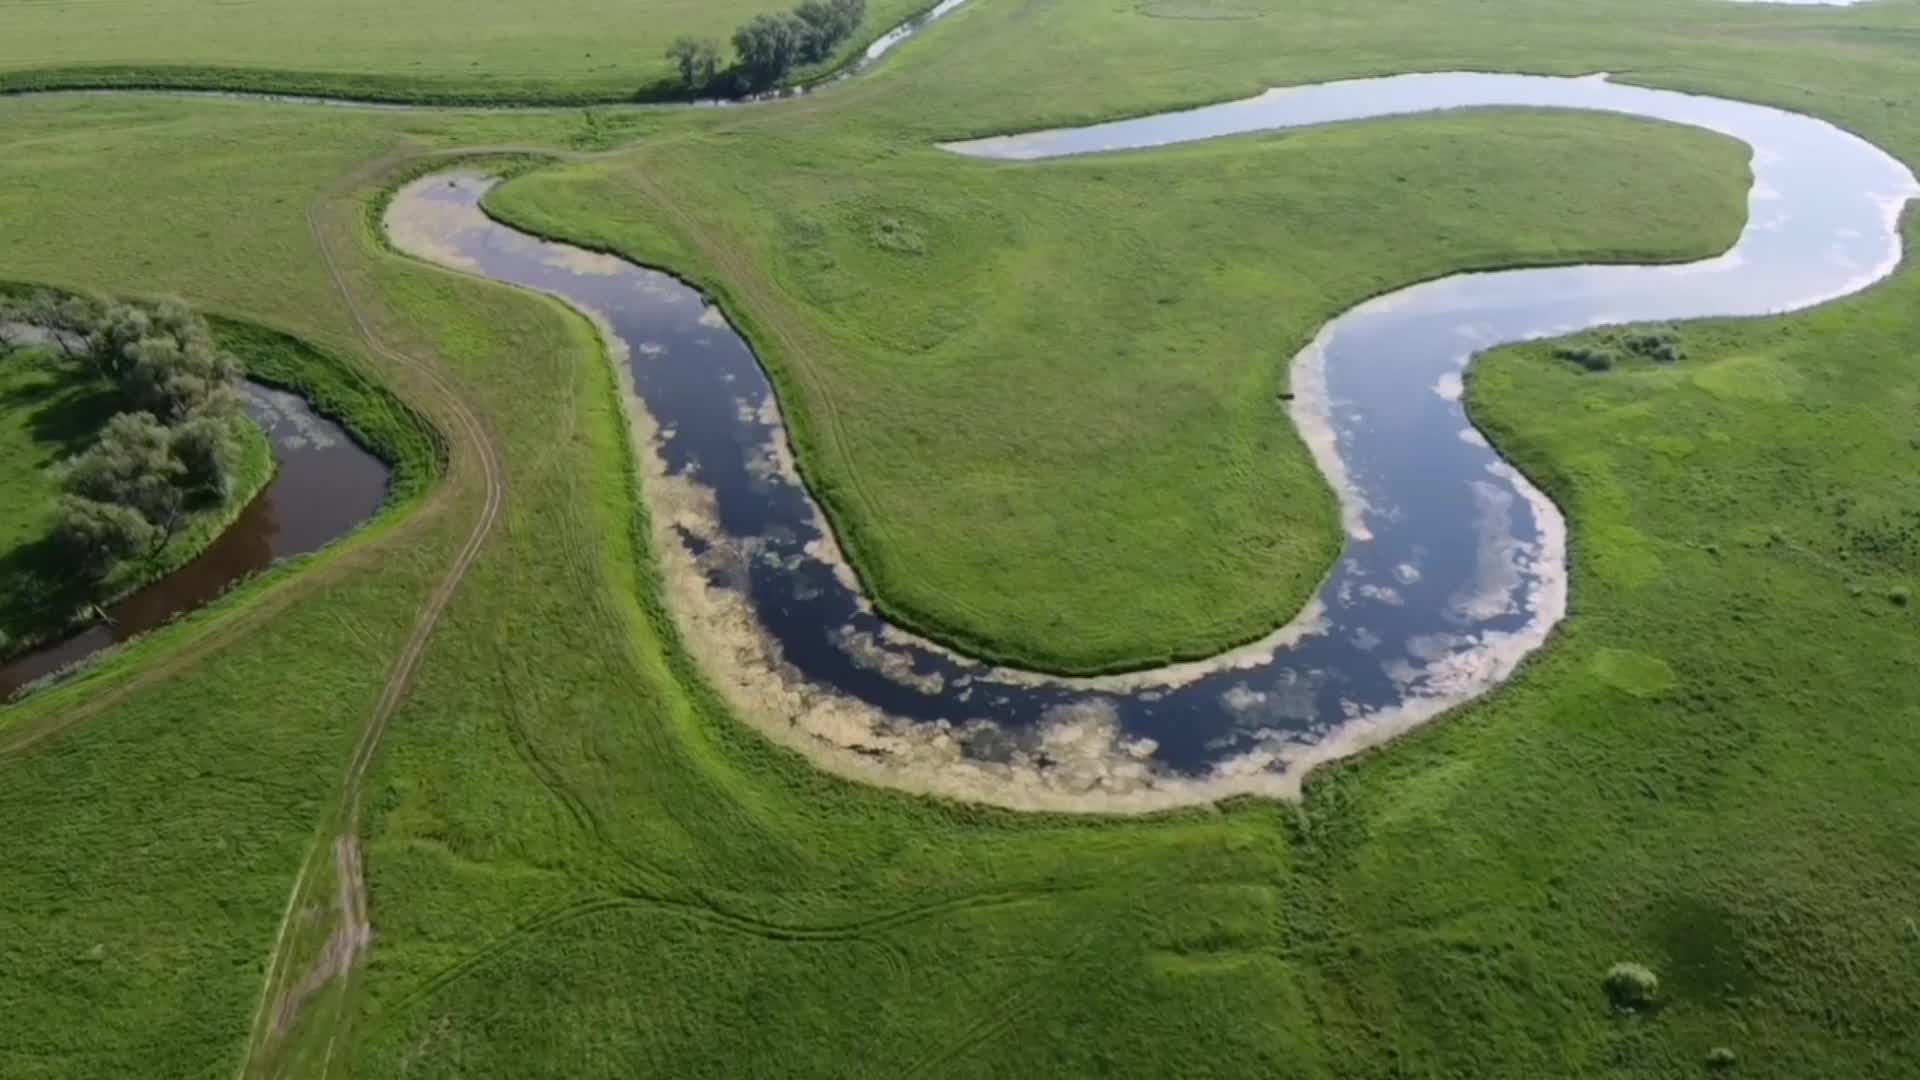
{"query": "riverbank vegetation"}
(129, 453)
(580, 865)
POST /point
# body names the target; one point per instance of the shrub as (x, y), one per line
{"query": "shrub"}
(1587, 356)
(1900, 596)
(1652, 343)
(1721, 1058)
(1631, 987)
(94, 537)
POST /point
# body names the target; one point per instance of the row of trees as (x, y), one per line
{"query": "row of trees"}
(768, 47)
(173, 446)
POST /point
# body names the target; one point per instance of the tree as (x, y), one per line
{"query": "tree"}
(204, 447)
(823, 33)
(172, 377)
(132, 465)
(768, 46)
(846, 16)
(94, 537)
(115, 330)
(697, 59)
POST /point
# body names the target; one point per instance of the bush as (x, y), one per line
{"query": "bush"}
(1653, 344)
(1587, 356)
(94, 537)
(1721, 1058)
(1900, 596)
(1631, 987)
(1660, 346)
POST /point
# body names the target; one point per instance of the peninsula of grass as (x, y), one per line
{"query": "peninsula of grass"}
(495, 52)
(1044, 404)
(53, 407)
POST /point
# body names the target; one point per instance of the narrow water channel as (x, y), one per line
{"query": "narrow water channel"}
(325, 485)
(1454, 568)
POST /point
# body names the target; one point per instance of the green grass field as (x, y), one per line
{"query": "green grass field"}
(580, 865)
(51, 409)
(409, 50)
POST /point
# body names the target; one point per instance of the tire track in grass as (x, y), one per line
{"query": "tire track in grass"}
(860, 930)
(993, 1022)
(347, 946)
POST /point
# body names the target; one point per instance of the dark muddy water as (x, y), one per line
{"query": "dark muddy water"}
(324, 486)
(1454, 569)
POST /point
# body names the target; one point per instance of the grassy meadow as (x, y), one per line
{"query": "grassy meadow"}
(580, 865)
(393, 50)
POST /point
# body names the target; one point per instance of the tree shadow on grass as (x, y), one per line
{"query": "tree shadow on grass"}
(65, 419)
(43, 593)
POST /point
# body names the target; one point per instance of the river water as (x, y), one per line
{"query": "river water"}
(1454, 568)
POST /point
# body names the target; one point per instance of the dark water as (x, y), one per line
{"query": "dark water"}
(326, 484)
(1454, 568)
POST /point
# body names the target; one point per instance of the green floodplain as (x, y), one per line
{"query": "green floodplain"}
(578, 863)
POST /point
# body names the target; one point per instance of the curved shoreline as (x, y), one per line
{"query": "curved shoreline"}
(770, 609)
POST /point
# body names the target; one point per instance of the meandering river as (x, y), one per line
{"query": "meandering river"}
(1454, 568)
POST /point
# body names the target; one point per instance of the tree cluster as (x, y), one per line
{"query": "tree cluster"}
(768, 47)
(172, 446)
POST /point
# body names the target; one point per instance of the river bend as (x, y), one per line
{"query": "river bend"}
(1454, 569)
